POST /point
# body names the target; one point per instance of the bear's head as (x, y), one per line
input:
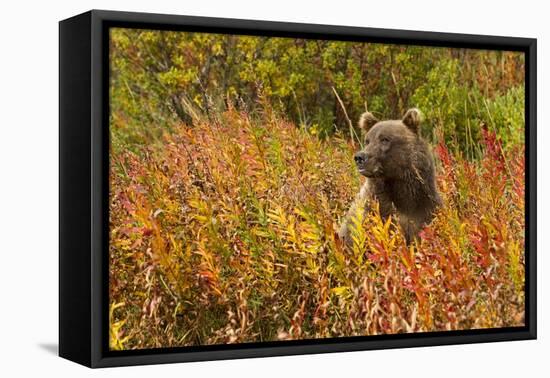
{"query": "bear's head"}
(389, 145)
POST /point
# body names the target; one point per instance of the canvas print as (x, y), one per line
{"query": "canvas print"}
(266, 189)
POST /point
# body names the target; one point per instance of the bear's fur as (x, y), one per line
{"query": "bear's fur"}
(400, 173)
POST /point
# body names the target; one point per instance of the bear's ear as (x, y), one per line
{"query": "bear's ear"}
(411, 119)
(367, 121)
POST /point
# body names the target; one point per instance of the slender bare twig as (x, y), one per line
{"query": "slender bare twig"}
(351, 128)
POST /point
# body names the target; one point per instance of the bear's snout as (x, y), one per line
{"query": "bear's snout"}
(368, 165)
(360, 157)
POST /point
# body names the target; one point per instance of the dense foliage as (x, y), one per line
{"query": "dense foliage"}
(231, 169)
(159, 77)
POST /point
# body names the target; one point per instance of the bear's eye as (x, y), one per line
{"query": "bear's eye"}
(366, 142)
(384, 139)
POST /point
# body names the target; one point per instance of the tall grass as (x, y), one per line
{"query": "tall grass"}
(224, 232)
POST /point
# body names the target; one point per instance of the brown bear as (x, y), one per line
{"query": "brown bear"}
(400, 173)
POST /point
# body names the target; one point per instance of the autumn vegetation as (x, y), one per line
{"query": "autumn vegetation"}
(231, 168)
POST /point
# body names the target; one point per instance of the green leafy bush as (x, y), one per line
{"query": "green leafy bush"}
(158, 77)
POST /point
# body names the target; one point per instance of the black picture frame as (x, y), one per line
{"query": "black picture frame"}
(84, 191)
